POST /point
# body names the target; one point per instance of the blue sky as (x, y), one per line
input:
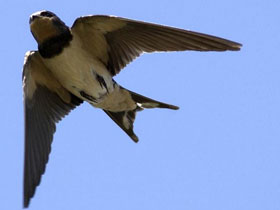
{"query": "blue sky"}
(220, 151)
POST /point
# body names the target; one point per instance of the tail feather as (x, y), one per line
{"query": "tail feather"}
(125, 119)
(146, 102)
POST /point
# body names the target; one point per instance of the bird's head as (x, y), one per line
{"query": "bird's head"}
(45, 25)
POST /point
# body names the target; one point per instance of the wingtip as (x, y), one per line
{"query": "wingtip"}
(237, 47)
(234, 46)
(173, 107)
(26, 203)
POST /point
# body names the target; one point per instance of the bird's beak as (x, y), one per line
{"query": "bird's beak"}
(32, 18)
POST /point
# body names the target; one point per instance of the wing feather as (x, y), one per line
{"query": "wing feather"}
(117, 41)
(44, 105)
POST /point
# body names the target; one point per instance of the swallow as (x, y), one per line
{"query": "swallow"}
(77, 64)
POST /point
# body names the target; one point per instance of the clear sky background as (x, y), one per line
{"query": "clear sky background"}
(220, 151)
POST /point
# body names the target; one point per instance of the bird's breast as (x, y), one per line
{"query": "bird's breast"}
(81, 73)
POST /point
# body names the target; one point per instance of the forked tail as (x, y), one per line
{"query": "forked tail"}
(125, 119)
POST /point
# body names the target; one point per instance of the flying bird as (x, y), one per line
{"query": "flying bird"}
(77, 64)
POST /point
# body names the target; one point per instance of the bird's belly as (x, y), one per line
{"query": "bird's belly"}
(80, 74)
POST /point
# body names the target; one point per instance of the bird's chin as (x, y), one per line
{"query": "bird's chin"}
(42, 29)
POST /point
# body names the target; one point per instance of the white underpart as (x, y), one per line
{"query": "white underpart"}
(76, 70)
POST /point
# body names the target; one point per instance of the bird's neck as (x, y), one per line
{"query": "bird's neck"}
(55, 45)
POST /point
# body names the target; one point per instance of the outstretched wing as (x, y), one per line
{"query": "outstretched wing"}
(45, 103)
(117, 41)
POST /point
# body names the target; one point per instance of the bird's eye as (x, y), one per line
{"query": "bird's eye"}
(46, 14)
